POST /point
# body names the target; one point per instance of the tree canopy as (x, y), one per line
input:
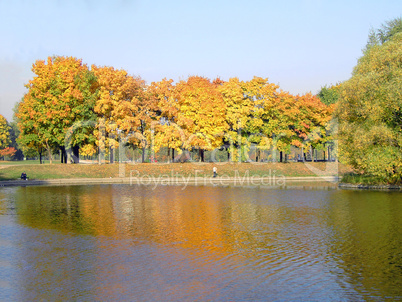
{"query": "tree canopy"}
(94, 110)
(384, 33)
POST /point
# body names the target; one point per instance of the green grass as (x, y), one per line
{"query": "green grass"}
(59, 171)
(20, 162)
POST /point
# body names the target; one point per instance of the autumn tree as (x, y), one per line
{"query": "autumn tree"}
(57, 112)
(7, 152)
(122, 107)
(258, 112)
(167, 133)
(237, 115)
(202, 114)
(370, 112)
(4, 133)
(268, 126)
(313, 123)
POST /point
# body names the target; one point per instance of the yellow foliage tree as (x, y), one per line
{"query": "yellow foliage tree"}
(202, 114)
(4, 133)
(121, 107)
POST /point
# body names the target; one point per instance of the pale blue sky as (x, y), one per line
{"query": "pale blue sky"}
(300, 45)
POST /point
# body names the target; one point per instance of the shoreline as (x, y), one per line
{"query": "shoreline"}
(285, 182)
(349, 186)
(181, 181)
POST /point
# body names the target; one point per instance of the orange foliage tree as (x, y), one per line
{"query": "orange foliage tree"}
(7, 152)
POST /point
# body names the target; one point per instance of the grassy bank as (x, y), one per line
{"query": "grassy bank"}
(59, 171)
(362, 179)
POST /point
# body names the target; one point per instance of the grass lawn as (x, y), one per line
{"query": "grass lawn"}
(34, 170)
(20, 162)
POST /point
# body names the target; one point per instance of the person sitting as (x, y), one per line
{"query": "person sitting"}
(24, 176)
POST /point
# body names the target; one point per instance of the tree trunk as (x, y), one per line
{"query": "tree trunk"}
(49, 152)
(62, 154)
(172, 155)
(257, 155)
(100, 157)
(311, 154)
(143, 155)
(329, 154)
(111, 155)
(40, 157)
(76, 154)
(280, 156)
(201, 154)
(168, 155)
(69, 157)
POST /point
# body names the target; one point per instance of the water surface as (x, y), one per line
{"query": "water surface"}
(136, 243)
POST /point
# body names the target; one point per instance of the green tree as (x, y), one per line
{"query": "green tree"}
(370, 112)
(385, 33)
(329, 95)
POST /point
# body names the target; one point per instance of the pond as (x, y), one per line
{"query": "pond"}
(201, 243)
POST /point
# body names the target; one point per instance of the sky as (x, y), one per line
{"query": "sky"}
(299, 45)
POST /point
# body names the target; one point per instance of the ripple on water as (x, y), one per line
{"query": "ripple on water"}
(116, 242)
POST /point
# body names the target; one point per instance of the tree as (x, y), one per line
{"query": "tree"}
(258, 113)
(166, 132)
(263, 127)
(329, 95)
(122, 108)
(385, 33)
(31, 136)
(202, 114)
(238, 114)
(312, 125)
(370, 112)
(60, 99)
(4, 133)
(7, 152)
(14, 134)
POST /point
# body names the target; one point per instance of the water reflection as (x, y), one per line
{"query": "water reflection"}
(366, 241)
(121, 242)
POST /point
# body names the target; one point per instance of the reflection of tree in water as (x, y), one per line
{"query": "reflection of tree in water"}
(365, 242)
(213, 218)
(54, 208)
(277, 234)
